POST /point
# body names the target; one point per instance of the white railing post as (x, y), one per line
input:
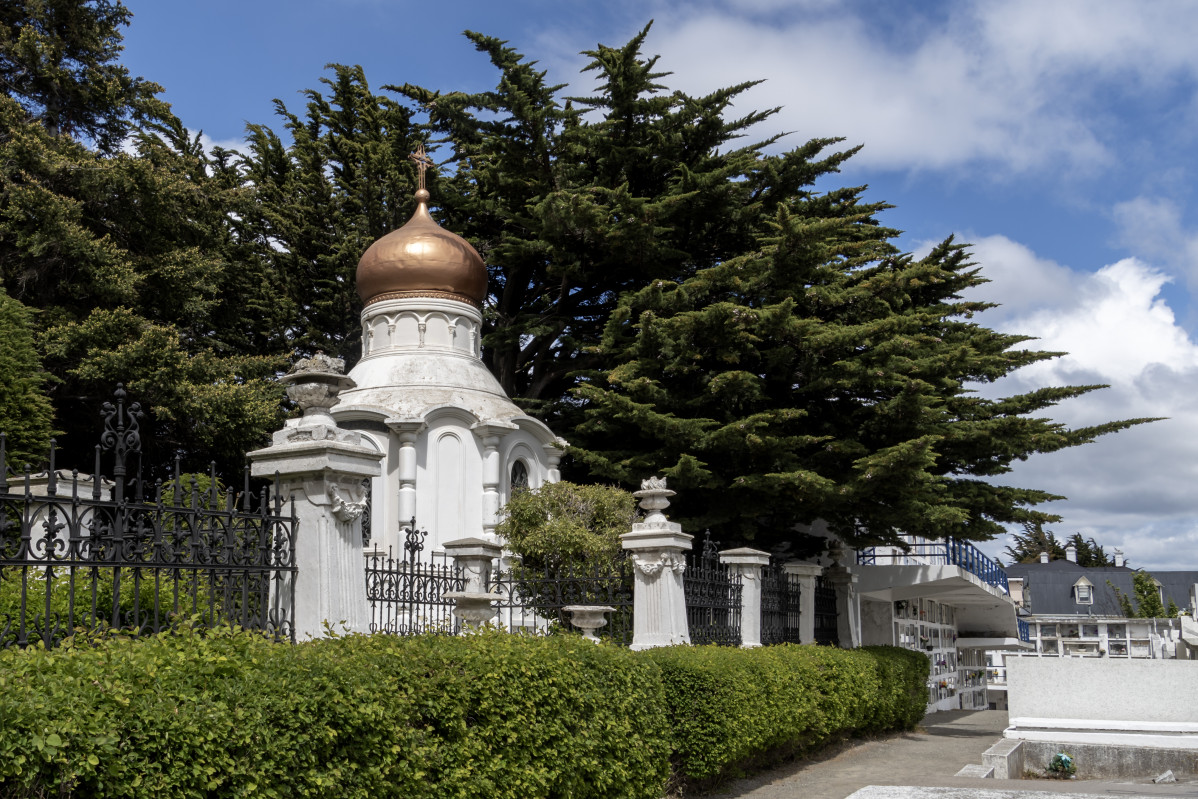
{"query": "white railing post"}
(321, 468)
(806, 572)
(657, 549)
(748, 563)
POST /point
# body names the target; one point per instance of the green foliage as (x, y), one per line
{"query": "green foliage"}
(84, 601)
(1035, 539)
(821, 376)
(730, 707)
(228, 713)
(567, 522)
(58, 59)
(231, 714)
(26, 417)
(129, 255)
(1147, 603)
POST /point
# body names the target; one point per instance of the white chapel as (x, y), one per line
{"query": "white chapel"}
(454, 445)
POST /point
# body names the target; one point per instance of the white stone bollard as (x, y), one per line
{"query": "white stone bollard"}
(748, 563)
(806, 572)
(656, 547)
(321, 467)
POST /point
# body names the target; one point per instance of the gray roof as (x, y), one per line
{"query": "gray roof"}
(1048, 587)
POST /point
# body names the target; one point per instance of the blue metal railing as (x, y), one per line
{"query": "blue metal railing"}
(1025, 630)
(949, 552)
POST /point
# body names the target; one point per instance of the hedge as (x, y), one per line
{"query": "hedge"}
(730, 708)
(231, 714)
(224, 713)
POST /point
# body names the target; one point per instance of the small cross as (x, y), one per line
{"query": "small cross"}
(422, 162)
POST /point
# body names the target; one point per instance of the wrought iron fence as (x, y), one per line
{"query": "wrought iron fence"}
(713, 595)
(825, 613)
(779, 606)
(533, 599)
(82, 553)
(406, 595)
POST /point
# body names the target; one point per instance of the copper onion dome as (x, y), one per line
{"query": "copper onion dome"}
(422, 259)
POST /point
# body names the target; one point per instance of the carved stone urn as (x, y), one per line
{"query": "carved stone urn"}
(589, 618)
(313, 384)
(472, 607)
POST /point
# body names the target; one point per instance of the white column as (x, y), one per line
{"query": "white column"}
(748, 563)
(848, 606)
(806, 572)
(656, 547)
(489, 435)
(321, 468)
(407, 431)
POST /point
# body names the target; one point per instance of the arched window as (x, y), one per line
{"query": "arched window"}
(519, 476)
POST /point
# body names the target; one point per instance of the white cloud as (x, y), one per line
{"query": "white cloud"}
(238, 145)
(1135, 488)
(1018, 85)
(1152, 227)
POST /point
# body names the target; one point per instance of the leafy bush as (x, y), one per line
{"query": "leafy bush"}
(230, 714)
(729, 708)
(579, 523)
(83, 598)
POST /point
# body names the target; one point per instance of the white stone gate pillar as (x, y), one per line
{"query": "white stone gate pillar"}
(848, 606)
(748, 563)
(321, 468)
(656, 547)
(806, 572)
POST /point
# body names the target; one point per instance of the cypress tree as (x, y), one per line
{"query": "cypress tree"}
(26, 416)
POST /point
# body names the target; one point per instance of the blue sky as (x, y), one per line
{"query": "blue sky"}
(1057, 137)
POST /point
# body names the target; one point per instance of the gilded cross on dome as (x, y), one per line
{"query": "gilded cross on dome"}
(422, 162)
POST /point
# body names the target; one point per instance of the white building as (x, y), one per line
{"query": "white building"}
(946, 599)
(453, 443)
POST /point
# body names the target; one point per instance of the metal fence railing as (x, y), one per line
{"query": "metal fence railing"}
(713, 598)
(82, 553)
(947, 552)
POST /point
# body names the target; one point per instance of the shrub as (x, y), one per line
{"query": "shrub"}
(228, 713)
(577, 523)
(729, 707)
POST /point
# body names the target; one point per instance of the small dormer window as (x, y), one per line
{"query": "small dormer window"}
(1083, 592)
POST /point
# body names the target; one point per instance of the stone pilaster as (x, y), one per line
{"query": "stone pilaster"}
(321, 468)
(748, 563)
(489, 435)
(657, 549)
(806, 572)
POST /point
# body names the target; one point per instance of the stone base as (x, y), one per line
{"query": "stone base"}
(1109, 761)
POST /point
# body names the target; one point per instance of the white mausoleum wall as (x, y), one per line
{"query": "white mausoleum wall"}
(1103, 689)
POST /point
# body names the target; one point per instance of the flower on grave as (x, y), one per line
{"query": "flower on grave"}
(1062, 765)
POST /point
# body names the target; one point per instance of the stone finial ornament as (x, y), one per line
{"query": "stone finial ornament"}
(654, 497)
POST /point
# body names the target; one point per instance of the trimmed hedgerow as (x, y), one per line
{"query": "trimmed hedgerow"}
(226, 713)
(230, 714)
(731, 708)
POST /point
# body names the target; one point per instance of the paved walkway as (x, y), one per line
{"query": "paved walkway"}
(924, 764)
